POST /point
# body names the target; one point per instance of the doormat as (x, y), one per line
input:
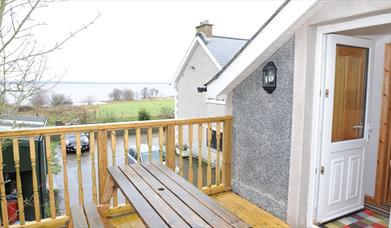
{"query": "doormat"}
(364, 218)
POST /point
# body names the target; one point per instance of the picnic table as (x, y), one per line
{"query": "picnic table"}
(164, 199)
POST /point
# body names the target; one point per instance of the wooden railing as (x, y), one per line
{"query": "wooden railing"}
(209, 169)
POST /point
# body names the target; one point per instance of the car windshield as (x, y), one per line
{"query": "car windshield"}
(155, 156)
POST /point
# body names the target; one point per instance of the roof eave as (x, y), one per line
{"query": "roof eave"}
(267, 40)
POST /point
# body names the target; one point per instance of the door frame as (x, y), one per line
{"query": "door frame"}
(318, 102)
(383, 154)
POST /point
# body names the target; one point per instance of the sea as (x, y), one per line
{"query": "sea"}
(81, 92)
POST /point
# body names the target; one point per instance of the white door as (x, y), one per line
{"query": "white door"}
(345, 126)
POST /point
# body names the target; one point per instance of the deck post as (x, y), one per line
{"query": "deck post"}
(102, 162)
(170, 147)
(227, 154)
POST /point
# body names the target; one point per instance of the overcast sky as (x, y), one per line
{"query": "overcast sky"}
(139, 41)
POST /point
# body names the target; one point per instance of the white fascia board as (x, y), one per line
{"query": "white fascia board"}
(194, 44)
(275, 34)
(184, 62)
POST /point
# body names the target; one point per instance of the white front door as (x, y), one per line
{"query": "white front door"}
(345, 126)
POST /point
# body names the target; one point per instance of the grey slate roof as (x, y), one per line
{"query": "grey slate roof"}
(223, 48)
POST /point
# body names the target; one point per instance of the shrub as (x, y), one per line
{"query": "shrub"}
(166, 113)
(116, 95)
(60, 99)
(128, 94)
(143, 115)
(25, 108)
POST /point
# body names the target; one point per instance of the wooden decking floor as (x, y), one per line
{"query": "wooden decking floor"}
(247, 211)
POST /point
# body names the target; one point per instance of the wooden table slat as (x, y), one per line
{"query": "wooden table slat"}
(93, 216)
(202, 197)
(78, 216)
(182, 209)
(160, 206)
(143, 208)
(198, 207)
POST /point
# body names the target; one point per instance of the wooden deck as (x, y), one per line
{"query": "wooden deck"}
(247, 211)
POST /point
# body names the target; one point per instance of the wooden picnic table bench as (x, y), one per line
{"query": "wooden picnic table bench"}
(164, 199)
(85, 216)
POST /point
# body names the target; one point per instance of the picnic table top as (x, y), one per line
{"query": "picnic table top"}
(164, 199)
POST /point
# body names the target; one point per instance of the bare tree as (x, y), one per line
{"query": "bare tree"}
(116, 95)
(89, 99)
(60, 99)
(128, 94)
(145, 93)
(153, 92)
(23, 61)
(40, 98)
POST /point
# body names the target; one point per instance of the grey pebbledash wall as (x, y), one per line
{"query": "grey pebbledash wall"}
(262, 135)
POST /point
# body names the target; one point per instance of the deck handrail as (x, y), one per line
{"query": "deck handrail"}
(107, 126)
(171, 134)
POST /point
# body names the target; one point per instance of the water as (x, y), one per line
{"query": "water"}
(80, 91)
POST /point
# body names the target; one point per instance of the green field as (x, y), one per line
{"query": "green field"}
(128, 110)
(106, 113)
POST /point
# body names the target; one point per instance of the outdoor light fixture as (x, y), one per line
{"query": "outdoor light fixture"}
(202, 89)
(269, 79)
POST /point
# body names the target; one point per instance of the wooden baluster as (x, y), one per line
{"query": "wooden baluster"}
(227, 154)
(126, 146)
(138, 142)
(4, 211)
(65, 175)
(79, 169)
(161, 143)
(170, 147)
(150, 144)
(35, 182)
(217, 165)
(190, 174)
(93, 168)
(209, 167)
(15, 144)
(114, 162)
(180, 140)
(50, 177)
(102, 162)
(199, 156)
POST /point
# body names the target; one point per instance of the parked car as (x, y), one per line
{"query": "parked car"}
(70, 141)
(144, 155)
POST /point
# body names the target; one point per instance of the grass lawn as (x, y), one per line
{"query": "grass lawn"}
(128, 110)
(106, 113)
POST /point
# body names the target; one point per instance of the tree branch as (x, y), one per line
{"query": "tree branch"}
(20, 25)
(57, 45)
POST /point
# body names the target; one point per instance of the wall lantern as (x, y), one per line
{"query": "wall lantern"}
(269, 79)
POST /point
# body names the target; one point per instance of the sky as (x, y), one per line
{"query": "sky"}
(137, 41)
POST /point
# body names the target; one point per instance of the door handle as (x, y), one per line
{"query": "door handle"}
(358, 126)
